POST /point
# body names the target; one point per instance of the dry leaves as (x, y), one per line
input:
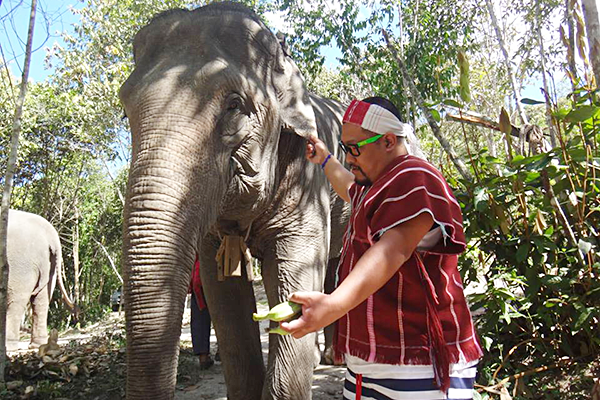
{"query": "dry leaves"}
(70, 367)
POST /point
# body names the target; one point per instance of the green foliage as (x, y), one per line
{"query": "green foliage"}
(434, 31)
(542, 292)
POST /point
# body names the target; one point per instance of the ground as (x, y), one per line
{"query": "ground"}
(91, 365)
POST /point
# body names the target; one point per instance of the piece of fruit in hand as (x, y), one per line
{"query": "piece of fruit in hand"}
(277, 331)
(285, 311)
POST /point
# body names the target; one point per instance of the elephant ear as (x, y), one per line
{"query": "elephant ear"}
(296, 111)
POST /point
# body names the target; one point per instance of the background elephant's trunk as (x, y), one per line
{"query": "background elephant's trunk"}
(164, 216)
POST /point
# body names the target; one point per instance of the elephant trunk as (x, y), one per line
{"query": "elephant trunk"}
(163, 218)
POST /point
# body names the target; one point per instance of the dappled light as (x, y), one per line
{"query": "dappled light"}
(152, 130)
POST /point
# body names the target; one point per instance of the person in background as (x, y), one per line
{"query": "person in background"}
(200, 320)
(403, 325)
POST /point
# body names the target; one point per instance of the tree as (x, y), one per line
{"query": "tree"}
(507, 62)
(8, 181)
(592, 26)
(433, 32)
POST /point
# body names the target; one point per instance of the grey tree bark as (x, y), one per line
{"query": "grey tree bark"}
(569, 41)
(509, 69)
(8, 183)
(538, 29)
(408, 105)
(460, 165)
(592, 27)
(76, 272)
(110, 260)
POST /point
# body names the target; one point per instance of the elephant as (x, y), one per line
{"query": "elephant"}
(34, 265)
(219, 117)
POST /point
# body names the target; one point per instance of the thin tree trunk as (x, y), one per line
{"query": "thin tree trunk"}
(76, 291)
(407, 105)
(592, 27)
(8, 183)
(112, 179)
(110, 260)
(456, 160)
(538, 27)
(509, 70)
(570, 44)
(476, 119)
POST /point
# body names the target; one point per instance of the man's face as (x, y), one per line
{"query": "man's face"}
(367, 166)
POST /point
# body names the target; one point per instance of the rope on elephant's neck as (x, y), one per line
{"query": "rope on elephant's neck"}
(233, 256)
(248, 232)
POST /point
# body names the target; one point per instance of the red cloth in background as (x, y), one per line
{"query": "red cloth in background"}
(196, 285)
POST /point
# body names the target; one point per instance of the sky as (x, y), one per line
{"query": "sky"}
(52, 18)
(56, 16)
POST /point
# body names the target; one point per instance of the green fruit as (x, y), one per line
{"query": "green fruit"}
(277, 331)
(281, 312)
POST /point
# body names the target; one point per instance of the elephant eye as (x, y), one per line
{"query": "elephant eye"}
(234, 104)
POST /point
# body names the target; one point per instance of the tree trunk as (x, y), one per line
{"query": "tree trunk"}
(456, 160)
(8, 183)
(406, 91)
(110, 260)
(569, 41)
(76, 291)
(592, 27)
(538, 28)
(509, 70)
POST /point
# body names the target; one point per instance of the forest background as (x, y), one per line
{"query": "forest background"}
(524, 165)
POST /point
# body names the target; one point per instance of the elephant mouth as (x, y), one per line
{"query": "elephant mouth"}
(244, 164)
(243, 167)
(246, 186)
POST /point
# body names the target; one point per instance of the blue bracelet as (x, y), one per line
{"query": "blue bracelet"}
(325, 162)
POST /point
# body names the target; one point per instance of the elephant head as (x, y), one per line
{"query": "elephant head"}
(210, 98)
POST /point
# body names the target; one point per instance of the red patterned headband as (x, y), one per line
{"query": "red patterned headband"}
(375, 118)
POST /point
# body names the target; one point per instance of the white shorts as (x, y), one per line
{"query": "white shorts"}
(406, 382)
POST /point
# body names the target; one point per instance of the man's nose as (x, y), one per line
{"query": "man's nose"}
(349, 158)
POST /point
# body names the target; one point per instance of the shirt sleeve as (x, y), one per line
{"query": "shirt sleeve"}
(413, 190)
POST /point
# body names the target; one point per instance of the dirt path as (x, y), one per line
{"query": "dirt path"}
(210, 384)
(107, 370)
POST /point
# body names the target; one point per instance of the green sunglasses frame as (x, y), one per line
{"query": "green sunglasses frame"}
(347, 148)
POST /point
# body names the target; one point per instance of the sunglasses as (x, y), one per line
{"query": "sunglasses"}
(353, 149)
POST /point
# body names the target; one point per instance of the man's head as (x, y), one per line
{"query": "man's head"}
(372, 136)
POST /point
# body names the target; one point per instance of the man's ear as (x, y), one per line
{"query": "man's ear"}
(390, 141)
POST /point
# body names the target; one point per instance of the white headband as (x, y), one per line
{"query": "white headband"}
(375, 118)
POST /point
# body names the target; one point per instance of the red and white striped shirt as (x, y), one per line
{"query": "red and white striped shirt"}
(394, 325)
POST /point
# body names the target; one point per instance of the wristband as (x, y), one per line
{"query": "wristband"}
(325, 162)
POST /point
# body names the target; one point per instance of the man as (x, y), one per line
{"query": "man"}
(403, 325)
(200, 320)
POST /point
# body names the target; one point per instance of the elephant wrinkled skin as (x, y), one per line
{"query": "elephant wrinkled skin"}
(218, 114)
(34, 263)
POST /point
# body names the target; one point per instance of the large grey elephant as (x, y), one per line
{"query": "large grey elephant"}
(34, 265)
(219, 114)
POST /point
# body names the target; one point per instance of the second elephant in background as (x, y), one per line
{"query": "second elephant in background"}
(34, 264)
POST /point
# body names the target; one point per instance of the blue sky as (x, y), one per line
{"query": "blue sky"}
(52, 18)
(56, 16)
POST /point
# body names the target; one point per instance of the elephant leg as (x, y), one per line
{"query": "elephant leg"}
(231, 304)
(329, 331)
(16, 306)
(296, 264)
(39, 307)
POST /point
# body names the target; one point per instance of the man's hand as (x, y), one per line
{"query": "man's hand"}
(371, 272)
(317, 313)
(316, 151)
(340, 178)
